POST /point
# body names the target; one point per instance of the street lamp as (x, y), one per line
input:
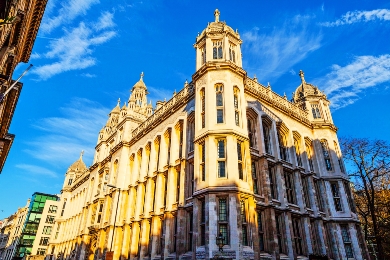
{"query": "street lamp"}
(220, 240)
(116, 211)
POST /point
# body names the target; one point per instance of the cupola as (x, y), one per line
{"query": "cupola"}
(218, 43)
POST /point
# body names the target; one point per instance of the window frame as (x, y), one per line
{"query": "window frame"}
(224, 222)
(219, 103)
(221, 160)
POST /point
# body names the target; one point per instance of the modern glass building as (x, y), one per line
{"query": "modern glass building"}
(31, 224)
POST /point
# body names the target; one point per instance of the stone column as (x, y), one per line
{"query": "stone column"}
(125, 242)
(118, 242)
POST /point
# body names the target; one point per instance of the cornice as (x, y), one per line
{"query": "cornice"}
(218, 65)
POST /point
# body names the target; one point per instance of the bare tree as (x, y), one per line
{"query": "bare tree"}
(368, 164)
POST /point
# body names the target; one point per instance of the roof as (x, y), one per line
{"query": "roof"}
(78, 165)
(306, 89)
(218, 27)
(140, 84)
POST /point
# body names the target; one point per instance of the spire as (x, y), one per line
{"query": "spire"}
(81, 155)
(142, 75)
(216, 14)
(119, 101)
(302, 75)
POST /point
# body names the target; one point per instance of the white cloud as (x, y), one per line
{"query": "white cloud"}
(73, 51)
(292, 72)
(344, 84)
(360, 16)
(88, 75)
(105, 21)
(65, 136)
(68, 11)
(37, 170)
(273, 54)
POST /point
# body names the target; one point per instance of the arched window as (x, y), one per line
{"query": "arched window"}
(236, 107)
(217, 50)
(297, 146)
(309, 152)
(219, 102)
(252, 125)
(267, 135)
(203, 105)
(232, 53)
(325, 151)
(282, 138)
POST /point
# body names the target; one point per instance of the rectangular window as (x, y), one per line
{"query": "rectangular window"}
(239, 155)
(283, 147)
(244, 224)
(272, 183)
(315, 111)
(47, 230)
(254, 178)
(202, 161)
(305, 184)
(349, 196)
(315, 237)
(279, 233)
(191, 135)
(223, 219)
(309, 151)
(50, 219)
(44, 241)
(219, 116)
(260, 229)
(325, 151)
(165, 189)
(190, 230)
(347, 241)
(267, 138)
(203, 223)
(290, 187)
(336, 196)
(317, 186)
(298, 240)
(41, 251)
(203, 104)
(298, 151)
(53, 209)
(221, 158)
(236, 110)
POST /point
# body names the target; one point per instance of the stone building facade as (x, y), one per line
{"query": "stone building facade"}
(225, 155)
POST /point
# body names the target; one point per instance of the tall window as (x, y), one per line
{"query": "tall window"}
(325, 151)
(239, 156)
(219, 102)
(169, 135)
(298, 150)
(203, 223)
(260, 229)
(279, 233)
(347, 189)
(217, 50)
(180, 140)
(298, 240)
(223, 219)
(190, 230)
(100, 212)
(254, 177)
(203, 161)
(283, 146)
(346, 241)
(267, 137)
(272, 183)
(309, 152)
(336, 195)
(251, 124)
(221, 158)
(341, 164)
(315, 238)
(236, 110)
(63, 208)
(290, 188)
(178, 183)
(203, 50)
(317, 186)
(305, 184)
(315, 111)
(191, 135)
(203, 105)
(244, 224)
(232, 53)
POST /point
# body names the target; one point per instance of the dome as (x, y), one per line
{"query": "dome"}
(217, 27)
(140, 84)
(78, 165)
(306, 89)
(116, 109)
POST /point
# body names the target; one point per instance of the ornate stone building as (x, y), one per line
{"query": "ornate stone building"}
(19, 23)
(225, 155)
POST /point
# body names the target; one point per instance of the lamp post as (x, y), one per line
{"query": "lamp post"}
(116, 211)
(219, 240)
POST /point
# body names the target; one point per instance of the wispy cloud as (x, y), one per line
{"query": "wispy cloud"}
(68, 11)
(88, 75)
(37, 170)
(360, 16)
(344, 84)
(276, 52)
(65, 136)
(73, 51)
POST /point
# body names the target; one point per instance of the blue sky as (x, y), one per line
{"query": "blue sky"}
(89, 53)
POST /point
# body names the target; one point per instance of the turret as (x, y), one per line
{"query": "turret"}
(310, 98)
(218, 42)
(74, 171)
